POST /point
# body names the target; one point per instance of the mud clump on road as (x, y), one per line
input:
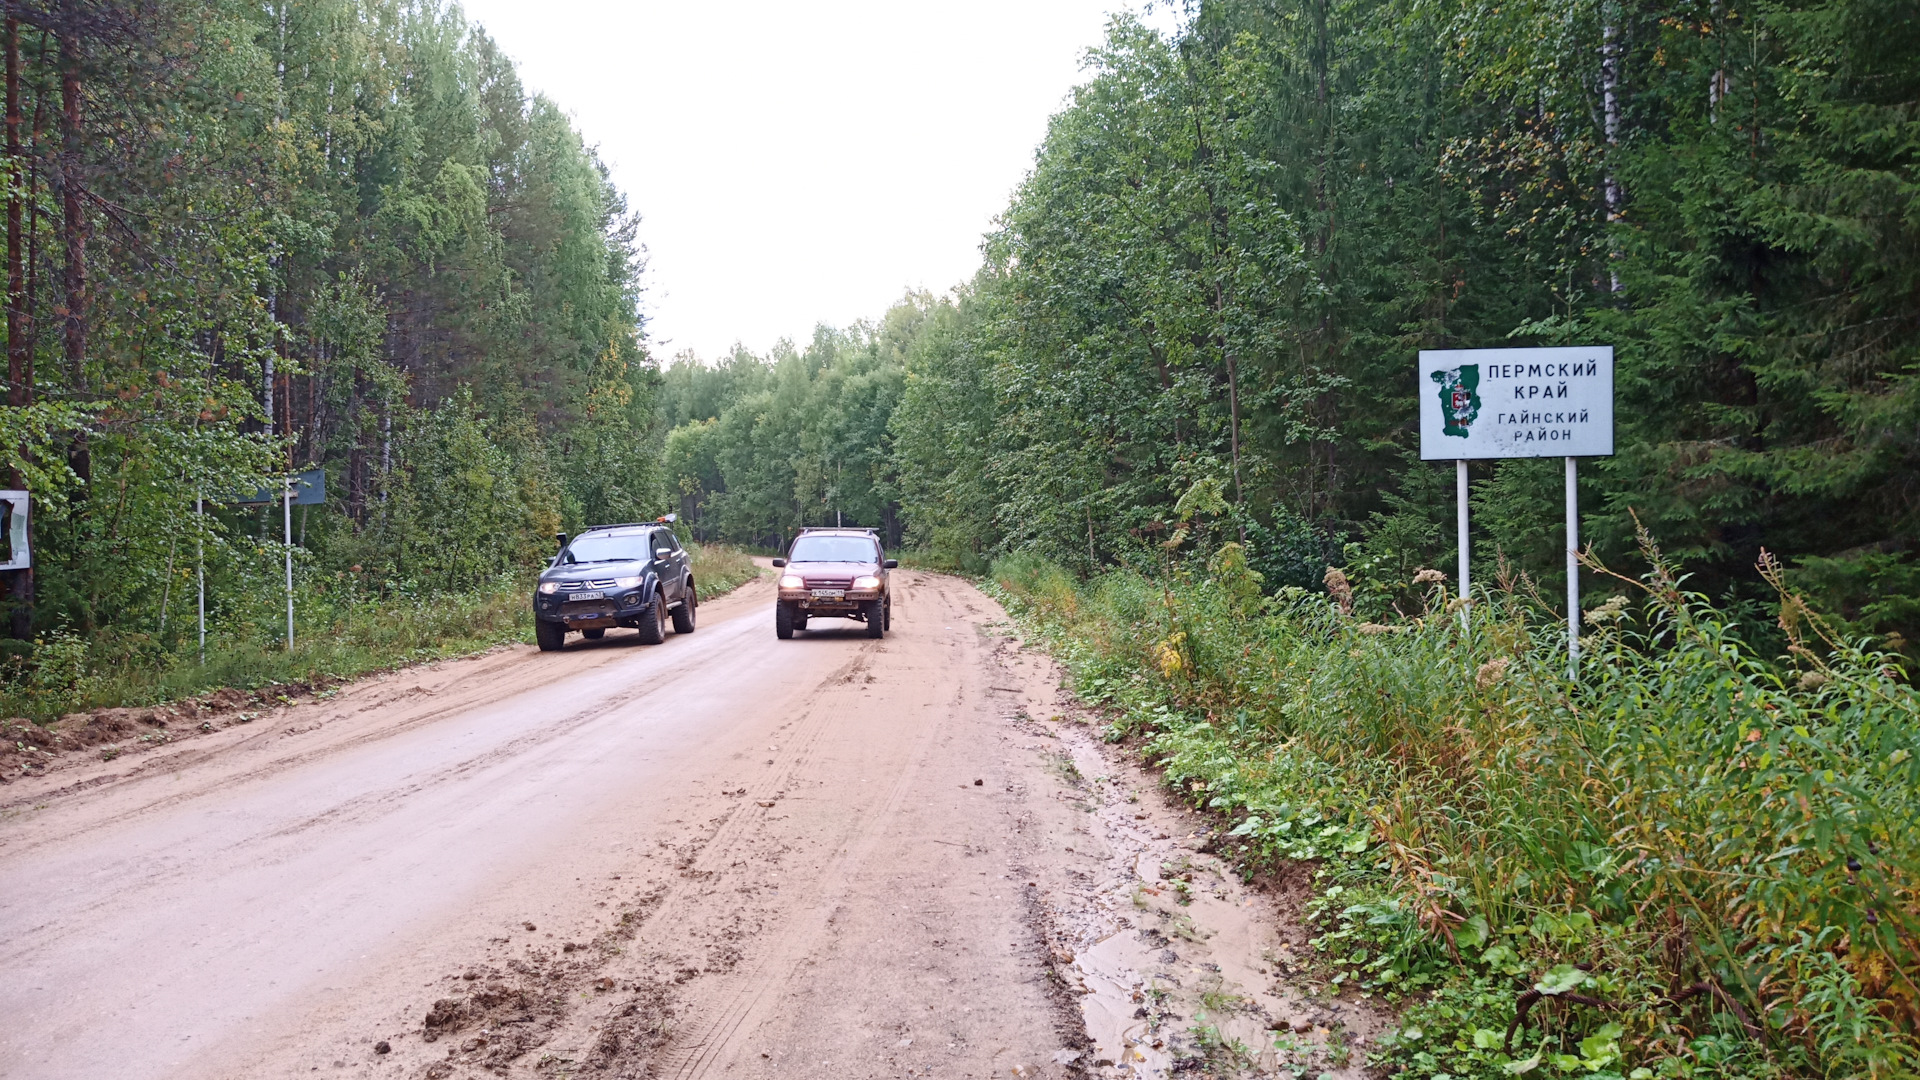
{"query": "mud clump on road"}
(637, 1030)
(506, 1020)
(517, 1007)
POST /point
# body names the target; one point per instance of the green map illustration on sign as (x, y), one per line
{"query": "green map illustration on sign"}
(1459, 398)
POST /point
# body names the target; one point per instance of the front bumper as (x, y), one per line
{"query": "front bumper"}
(852, 601)
(621, 609)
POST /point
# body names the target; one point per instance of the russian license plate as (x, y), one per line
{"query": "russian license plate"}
(829, 594)
(586, 596)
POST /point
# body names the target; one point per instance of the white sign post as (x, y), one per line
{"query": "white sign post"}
(1519, 403)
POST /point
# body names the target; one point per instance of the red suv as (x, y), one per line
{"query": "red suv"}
(834, 572)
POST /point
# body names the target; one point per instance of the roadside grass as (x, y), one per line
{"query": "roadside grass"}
(719, 569)
(1694, 862)
(340, 633)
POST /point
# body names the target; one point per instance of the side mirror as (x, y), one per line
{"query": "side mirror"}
(891, 564)
(779, 562)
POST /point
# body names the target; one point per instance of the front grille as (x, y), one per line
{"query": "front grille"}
(588, 607)
(570, 586)
(829, 583)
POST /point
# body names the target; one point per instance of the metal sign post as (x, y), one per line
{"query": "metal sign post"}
(308, 488)
(286, 511)
(1480, 404)
(1460, 523)
(200, 567)
(1573, 567)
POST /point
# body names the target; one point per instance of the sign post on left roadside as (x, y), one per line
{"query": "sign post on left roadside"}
(308, 488)
(1519, 403)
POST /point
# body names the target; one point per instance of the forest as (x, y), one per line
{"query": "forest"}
(1233, 242)
(248, 239)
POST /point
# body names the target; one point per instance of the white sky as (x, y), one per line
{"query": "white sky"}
(801, 163)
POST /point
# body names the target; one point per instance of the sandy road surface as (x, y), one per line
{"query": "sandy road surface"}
(724, 856)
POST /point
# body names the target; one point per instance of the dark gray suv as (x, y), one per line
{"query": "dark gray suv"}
(615, 575)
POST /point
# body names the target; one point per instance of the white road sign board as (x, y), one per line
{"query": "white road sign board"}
(1516, 403)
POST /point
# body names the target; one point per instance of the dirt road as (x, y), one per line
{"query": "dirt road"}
(723, 856)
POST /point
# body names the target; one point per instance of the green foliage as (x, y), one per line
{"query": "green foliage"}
(463, 507)
(798, 437)
(719, 569)
(1235, 239)
(1686, 815)
(349, 631)
(322, 233)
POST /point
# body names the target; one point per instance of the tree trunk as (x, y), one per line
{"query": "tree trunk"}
(73, 209)
(1610, 103)
(19, 356)
(273, 350)
(357, 454)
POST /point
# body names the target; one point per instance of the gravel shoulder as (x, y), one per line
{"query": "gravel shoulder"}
(726, 855)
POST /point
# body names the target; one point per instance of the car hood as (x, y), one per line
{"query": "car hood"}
(810, 570)
(599, 571)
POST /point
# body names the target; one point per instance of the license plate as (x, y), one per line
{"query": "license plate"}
(829, 594)
(586, 596)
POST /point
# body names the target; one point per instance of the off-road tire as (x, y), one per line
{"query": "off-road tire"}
(653, 622)
(876, 612)
(551, 636)
(683, 615)
(783, 621)
(887, 621)
(594, 633)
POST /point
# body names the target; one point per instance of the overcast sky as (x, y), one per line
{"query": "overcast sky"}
(801, 163)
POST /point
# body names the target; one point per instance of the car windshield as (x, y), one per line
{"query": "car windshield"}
(834, 549)
(608, 547)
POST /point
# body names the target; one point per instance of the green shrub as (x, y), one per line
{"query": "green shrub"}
(720, 568)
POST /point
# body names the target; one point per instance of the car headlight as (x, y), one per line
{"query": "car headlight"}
(792, 581)
(627, 582)
(549, 587)
(867, 583)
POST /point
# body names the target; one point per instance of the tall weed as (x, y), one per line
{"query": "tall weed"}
(1696, 861)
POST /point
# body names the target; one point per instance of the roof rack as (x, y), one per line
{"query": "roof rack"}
(624, 525)
(839, 528)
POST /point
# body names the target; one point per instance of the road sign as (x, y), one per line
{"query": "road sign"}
(309, 489)
(1516, 403)
(14, 505)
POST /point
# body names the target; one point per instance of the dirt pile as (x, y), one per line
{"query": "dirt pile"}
(27, 747)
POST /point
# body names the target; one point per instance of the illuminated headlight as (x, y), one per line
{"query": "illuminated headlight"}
(866, 584)
(548, 588)
(792, 581)
(626, 582)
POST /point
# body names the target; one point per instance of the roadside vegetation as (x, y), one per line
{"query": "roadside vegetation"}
(345, 628)
(1235, 238)
(316, 234)
(1693, 861)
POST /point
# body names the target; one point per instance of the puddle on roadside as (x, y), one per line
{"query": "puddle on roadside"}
(1173, 958)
